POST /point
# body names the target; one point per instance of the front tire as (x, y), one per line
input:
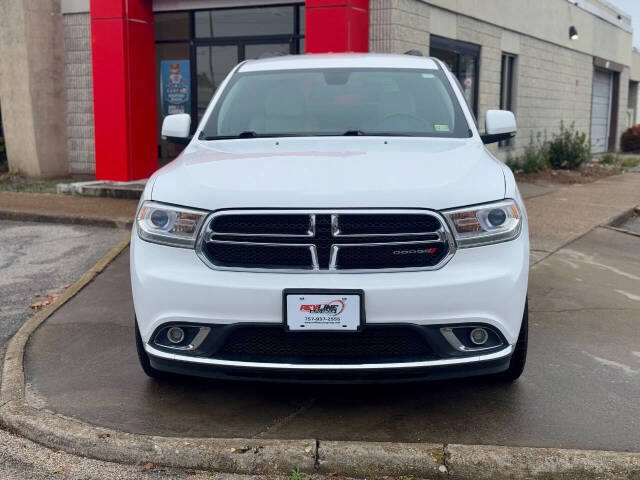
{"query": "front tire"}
(519, 357)
(143, 357)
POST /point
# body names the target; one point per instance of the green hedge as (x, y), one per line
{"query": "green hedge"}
(568, 149)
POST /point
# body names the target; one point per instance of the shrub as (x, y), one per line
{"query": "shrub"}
(568, 149)
(534, 158)
(630, 141)
(608, 159)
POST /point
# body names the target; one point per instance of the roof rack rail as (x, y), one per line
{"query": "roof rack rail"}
(414, 52)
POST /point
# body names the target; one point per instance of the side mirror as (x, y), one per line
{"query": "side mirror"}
(176, 128)
(500, 125)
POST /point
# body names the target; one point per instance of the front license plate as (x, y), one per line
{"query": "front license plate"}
(323, 310)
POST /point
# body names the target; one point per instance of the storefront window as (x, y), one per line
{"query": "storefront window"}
(195, 51)
(174, 53)
(172, 26)
(214, 64)
(260, 49)
(245, 22)
(462, 59)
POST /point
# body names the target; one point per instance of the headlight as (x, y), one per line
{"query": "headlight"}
(168, 225)
(485, 224)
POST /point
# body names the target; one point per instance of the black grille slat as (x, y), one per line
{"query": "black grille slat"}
(412, 255)
(372, 224)
(260, 256)
(339, 241)
(250, 224)
(375, 345)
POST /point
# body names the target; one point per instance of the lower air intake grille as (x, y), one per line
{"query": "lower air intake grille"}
(376, 344)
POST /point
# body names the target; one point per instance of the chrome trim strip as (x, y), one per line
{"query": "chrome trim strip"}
(505, 352)
(315, 265)
(444, 232)
(335, 225)
(197, 340)
(447, 333)
(311, 232)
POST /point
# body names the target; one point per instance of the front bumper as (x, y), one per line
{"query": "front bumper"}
(483, 285)
(361, 373)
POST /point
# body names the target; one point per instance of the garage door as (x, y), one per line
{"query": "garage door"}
(600, 110)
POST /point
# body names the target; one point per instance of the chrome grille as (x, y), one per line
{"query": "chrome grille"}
(325, 241)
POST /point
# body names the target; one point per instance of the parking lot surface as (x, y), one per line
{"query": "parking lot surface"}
(581, 388)
(40, 259)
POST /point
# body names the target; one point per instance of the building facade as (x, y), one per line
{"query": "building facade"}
(123, 65)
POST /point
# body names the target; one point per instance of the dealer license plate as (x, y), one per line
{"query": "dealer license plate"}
(326, 311)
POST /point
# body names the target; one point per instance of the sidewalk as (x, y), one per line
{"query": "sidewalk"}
(567, 213)
(557, 213)
(112, 212)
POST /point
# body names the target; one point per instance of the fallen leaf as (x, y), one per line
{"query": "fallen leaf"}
(239, 450)
(308, 449)
(148, 466)
(104, 435)
(67, 285)
(37, 305)
(59, 469)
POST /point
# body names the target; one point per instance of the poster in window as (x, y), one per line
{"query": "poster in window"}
(175, 84)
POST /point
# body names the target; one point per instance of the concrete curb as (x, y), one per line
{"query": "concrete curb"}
(38, 217)
(257, 456)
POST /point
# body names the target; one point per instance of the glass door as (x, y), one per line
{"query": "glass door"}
(463, 60)
(196, 50)
(213, 64)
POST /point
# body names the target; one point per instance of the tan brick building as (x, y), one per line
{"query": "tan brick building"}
(549, 61)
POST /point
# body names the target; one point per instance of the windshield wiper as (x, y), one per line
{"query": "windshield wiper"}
(361, 133)
(245, 134)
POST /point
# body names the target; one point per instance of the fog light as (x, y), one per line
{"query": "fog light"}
(479, 336)
(175, 335)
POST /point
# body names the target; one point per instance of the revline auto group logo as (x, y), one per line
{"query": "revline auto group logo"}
(332, 307)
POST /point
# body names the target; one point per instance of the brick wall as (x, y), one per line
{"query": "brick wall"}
(398, 25)
(552, 83)
(77, 44)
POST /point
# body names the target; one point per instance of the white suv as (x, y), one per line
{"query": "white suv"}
(333, 218)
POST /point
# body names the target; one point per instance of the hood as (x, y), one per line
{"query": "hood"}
(330, 172)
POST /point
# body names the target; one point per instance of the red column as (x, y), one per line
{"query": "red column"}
(337, 26)
(124, 93)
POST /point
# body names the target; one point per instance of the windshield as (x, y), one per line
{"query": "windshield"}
(404, 102)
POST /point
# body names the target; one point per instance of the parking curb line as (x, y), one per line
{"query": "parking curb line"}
(64, 219)
(12, 387)
(260, 456)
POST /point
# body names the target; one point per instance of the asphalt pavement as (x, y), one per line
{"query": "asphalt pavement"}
(40, 259)
(581, 387)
